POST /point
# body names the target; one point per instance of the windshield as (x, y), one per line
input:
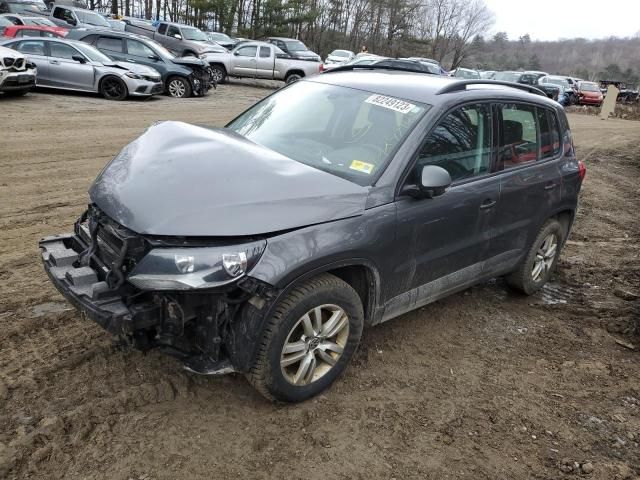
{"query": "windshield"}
(559, 81)
(24, 7)
(92, 53)
(506, 76)
(343, 131)
(464, 73)
(589, 87)
(295, 46)
(219, 37)
(5, 23)
(92, 18)
(340, 53)
(161, 50)
(45, 22)
(191, 33)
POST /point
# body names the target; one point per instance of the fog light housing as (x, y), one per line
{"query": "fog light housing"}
(235, 264)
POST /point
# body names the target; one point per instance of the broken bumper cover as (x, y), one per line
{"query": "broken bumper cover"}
(19, 80)
(85, 288)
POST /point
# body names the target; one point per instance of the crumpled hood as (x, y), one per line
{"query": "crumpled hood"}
(189, 61)
(181, 180)
(139, 69)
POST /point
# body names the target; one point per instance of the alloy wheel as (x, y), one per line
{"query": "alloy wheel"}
(314, 344)
(544, 257)
(113, 88)
(177, 88)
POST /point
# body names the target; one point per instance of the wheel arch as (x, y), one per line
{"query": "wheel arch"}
(111, 75)
(295, 71)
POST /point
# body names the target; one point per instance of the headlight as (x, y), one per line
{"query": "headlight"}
(197, 267)
(133, 75)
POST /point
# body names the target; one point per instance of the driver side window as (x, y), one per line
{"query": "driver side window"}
(461, 143)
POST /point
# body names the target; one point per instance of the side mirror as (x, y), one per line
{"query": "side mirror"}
(178, 36)
(434, 181)
(78, 58)
(236, 53)
(155, 58)
(72, 21)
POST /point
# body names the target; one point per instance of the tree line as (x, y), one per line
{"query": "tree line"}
(450, 31)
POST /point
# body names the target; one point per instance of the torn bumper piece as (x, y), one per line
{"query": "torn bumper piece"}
(86, 289)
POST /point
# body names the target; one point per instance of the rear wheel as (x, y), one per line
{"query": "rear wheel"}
(309, 340)
(292, 77)
(536, 268)
(113, 88)
(178, 87)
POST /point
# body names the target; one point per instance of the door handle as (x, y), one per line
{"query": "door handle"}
(54, 62)
(488, 203)
(550, 186)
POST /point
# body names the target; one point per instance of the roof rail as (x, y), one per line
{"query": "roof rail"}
(462, 85)
(373, 66)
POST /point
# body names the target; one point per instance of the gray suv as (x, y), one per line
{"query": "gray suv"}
(338, 202)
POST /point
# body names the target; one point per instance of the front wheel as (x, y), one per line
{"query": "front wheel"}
(536, 268)
(113, 88)
(178, 87)
(219, 74)
(309, 340)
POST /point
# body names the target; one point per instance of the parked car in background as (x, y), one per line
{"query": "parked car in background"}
(338, 57)
(408, 65)
(115, 22)
(221, 39)
(182, 76)
(24, 7)
(254, 59)
(467, 73)
(17, 73)
(74, 65)
(371, 194)
(18, 19)
(4, 23)
(181, 40)
(429, 62)
(73, 17)
(589, 94)
(626, 93)
(295, 48)
(568, 96)
(487, 74)
(18, 31)
(364, 59)
(551, 91)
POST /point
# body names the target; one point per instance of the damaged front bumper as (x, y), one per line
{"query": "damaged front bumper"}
(11, 80)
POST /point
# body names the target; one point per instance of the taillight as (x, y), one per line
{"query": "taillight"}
(582, 169)
(321, 68)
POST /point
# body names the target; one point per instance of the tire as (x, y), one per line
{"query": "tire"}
(219, 74)
(113, 88)
(292, 77)
(178, 87)
(275, 372)
(527, 280)
(17, 93)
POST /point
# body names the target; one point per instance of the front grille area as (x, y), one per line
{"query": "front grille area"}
(113, 249)
(14, 63)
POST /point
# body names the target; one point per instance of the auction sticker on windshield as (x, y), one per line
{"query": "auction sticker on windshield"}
(391, 103)
(361, 166)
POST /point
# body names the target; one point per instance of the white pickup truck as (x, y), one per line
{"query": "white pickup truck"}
(255, 59)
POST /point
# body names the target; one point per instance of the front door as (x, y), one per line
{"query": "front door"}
(446, 238)
(65, 72)
(244, 61)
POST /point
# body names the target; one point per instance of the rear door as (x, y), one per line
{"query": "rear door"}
(35, 50)
(265, 62)
(530, 181)
(244, 61)
(65, 72)
(138, 52)
(113, 47)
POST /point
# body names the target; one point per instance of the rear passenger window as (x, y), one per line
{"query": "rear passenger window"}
(110, 44)
(461, 143)
(162, 28)
(31, 47)
(31, 33)
(518, 136)
(549, 134)
(265, 52)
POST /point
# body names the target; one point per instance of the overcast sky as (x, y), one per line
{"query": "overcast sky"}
(553, 19)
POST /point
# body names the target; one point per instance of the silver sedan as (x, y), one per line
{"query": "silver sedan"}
(73, 65)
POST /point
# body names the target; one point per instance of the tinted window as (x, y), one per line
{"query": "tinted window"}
(518, 136)
(31, 47)
(549, 134)
(60, 50)
(249, 51)
(110, 44)
(139, 49)
(265, 52)
(30, 33)
(172, 31)
(461, 143)
(162, 28)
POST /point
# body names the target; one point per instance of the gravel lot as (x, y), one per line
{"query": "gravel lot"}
(484, 384)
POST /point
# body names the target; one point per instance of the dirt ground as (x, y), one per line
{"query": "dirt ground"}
(484, 385)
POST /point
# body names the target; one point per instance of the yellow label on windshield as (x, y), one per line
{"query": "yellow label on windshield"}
(361, 166)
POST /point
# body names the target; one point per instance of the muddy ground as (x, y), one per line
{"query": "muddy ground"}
(484, 385)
